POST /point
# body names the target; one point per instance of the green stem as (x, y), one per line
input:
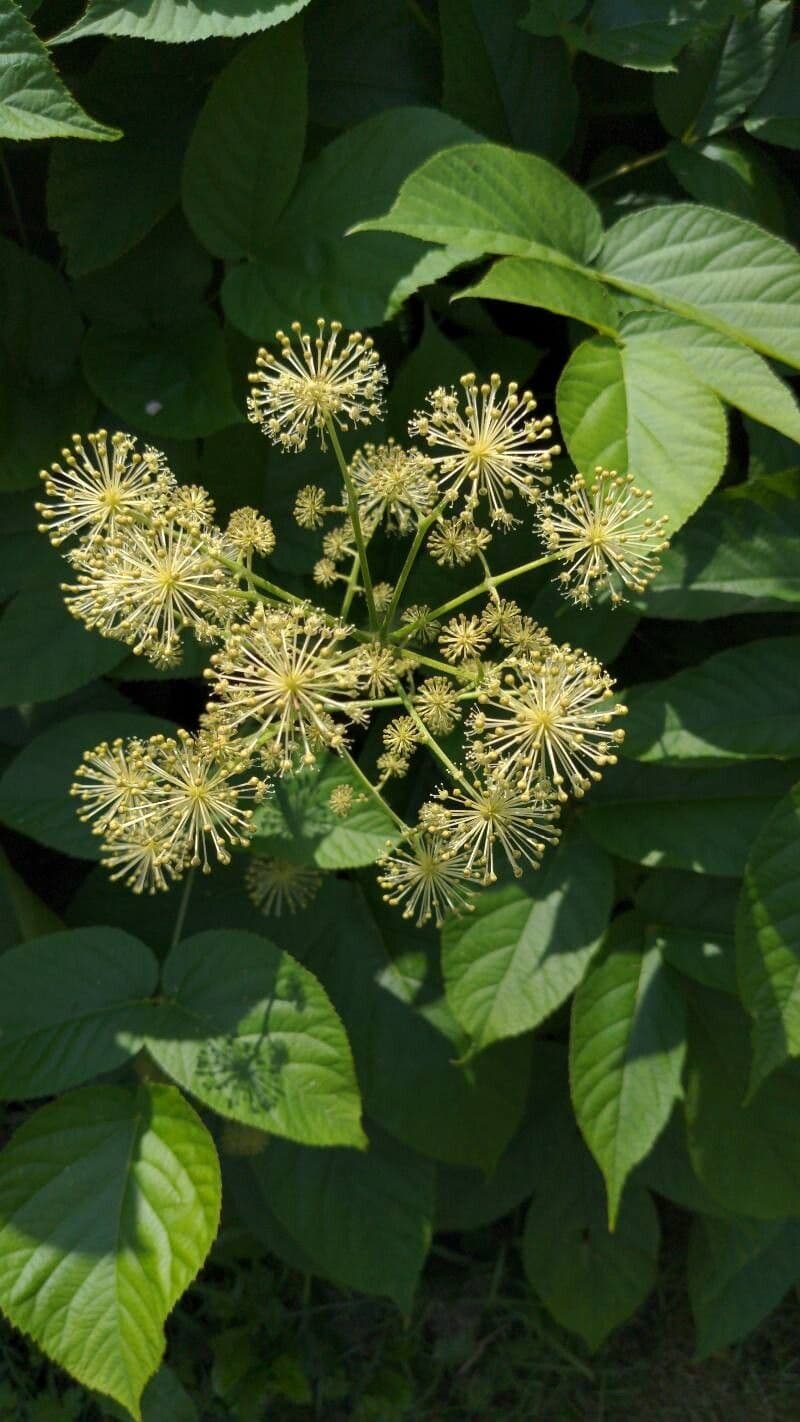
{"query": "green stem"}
(411, 558)
(375, 794)
(430, 741)
(352, 587)
(492, 582)
(355, 519)
(182, 908)
(246, 575)
(625, 168)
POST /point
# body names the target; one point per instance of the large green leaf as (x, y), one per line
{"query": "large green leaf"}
(135, 183)
(492, 199)
(45, 653)
(40, 328)
(169, 380)
(308, 266)
(711, 268)
(297, 822)
(739, 1270)
(775, 117)
(733, 175)
(734, 372)
(364, 1218)
(526, 947)
(536, 283)
(704, 820)
(768, 939)
(171, 22)
(747, 1155)
(690, 919)
(34, 789)
(34, 101)
(507, 84)
(364, 57)
(617, 408)
(109, 1202)
(742, 704)
(251, 1033)
(71, 1007)
(637, 35)
(590, 1279)
(627, 1045)
(24, 915)
(383, 977)
(247, 145)
(668, 1170)
(740, 553)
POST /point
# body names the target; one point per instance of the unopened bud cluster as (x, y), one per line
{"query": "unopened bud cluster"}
(291, 683)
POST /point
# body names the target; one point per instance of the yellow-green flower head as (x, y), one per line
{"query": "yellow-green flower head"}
(249, 531)
(97, 488)
(454, 542)
(498, 813)
(463, 638)
(428, 879)
(605, 534)
(276, 886)
(286, 677)
(314, 383)
(146, 585)
(393, 485)
(487, 444)
(437, 705)
(547, 720)
(110, 782)
(310, 506)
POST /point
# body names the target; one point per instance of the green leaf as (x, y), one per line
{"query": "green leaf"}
(504, 83)
(172, 380)
(747, 1155)
(627, 1045)
(690, 919)
(668, 1170)
(45, 653)
(734, 372)
(309, 265)
(768, 939)
(775, 117)
(71, 1008)
(171, 22)
(739, 1270)
(532, 283)
(470, 1199)
(34, 430)
(34, 788)
(638, 407)
(637, 35)
(704, 820)
(34, 101)
(733, 176)
(363, 58)
(491, 199)
(741, 704)
(25, 915)
(711, 268)
(525, 948)
(589, 1279)
(363, 1217)
(721, 74)
(245, 151)
(135, 183)
(160, 280)
(40, 329)
(111, 1196)
(740, 553)
(297, 822)
(382, 975)
(251, 1033)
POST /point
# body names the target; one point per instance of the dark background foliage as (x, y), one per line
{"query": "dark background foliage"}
(137, 274)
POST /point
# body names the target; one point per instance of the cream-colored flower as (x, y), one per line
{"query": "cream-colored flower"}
(437, 705)
(312, 382)
(605, 534)
(249, 531)
(428, 879)
(498, 813)
(97, 488)
(393, 485)
(276, 886)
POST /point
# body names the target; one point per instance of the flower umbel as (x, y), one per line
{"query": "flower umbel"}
(481, 816)
(275, 885)
(605, 535)
(96, 489)
(312, 381)
(428, 879)
(547, 720)
(489, 443)
(393, 485)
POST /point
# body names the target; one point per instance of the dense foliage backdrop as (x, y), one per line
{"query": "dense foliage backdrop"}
(598, 201)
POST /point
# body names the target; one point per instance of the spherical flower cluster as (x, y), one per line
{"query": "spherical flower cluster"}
(292, 684)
